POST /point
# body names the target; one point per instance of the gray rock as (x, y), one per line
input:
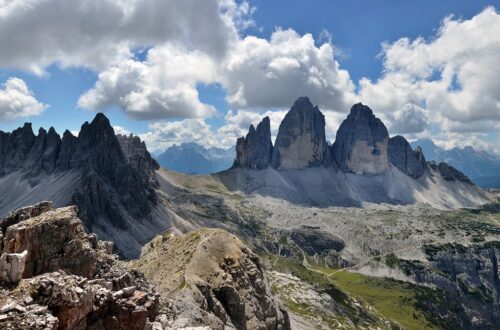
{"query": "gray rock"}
(361, 143)
(256, 149)
(405, 159)
(449, 173)
(301, 138)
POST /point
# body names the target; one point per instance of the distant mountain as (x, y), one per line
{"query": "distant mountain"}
(193, 158)
(481, 167)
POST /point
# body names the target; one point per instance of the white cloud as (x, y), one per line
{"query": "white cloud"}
(454, 75)
(121, 130)
(162, 86)
(165, 134)
(17, 100)
(96, 34)
(273, 73)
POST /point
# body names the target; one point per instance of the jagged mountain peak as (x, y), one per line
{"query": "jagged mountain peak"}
(255, 150)
(301, 140)
(360, 110)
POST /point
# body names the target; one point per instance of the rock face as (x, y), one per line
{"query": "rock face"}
(449, 173)
(70, 279)
(137, 155)
(255, 151)
(408, 161)
(468, 277)
(301, 138)
(215, 281)
(361, 145)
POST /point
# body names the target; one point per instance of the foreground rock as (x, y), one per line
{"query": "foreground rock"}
(301, 138)
(212, 279)
(66, 278)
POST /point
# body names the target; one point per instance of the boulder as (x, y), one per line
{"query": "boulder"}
(361, 144)
(255, 150)
(301, 138)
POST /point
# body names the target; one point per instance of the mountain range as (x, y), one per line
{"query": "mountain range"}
(481, 167)
(193, 158)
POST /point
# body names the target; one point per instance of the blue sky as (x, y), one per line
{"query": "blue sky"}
(357, 30)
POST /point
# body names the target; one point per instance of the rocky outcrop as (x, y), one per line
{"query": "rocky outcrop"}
(402, 156)
(70, 280)
(361, 143)
(448, 172)
(301, 138)
(468, 278)
(255, 151)
(214, 281)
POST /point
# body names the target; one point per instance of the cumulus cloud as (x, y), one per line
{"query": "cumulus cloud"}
(162, 86)
(454, 75)
(96, 34)
(409, 119)
(17, 100)
(272, 73)
(164, 134)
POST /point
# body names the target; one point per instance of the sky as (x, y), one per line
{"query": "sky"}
(175, 71)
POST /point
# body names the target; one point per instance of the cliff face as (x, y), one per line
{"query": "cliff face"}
(468, 277)
(255, 150)
(54, 275)
(401, 155)
(301, 138)
(361, 145)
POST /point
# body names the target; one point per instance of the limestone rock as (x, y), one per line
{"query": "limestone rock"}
(402, 156)
(70, 280)
(361, 145)
(214, 281)
(54, 239)
(255, 151)
(12, 266)
(301, 138)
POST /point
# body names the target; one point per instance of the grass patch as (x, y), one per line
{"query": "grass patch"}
(394, 300)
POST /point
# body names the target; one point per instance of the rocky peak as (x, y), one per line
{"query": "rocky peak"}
(361, 143)
(137, 154)
(448, 172)
(405, 159)
(255, 151)
(301, 138)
